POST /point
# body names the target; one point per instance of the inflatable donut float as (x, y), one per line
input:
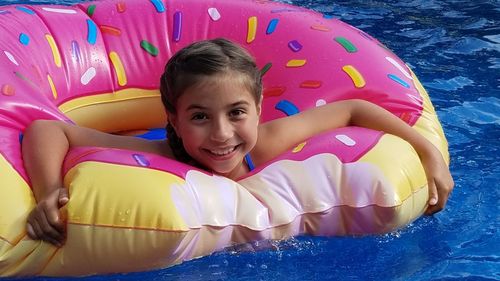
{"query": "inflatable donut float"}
(98, 65)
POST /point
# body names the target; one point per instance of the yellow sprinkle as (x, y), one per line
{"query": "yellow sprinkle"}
(55, 50)
(299, 147)
(252, 29)
(120, 71)
(357, 78)
(295, 63)
(52, 86)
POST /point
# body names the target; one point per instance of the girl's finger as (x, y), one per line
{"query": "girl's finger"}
(49, 230)
(31, 231)
(433, 194)
(63, 197)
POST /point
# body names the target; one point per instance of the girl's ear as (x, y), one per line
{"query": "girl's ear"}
(259, 106)
(172, 119)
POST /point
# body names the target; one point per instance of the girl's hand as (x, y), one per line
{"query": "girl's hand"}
(45, 222)
(439, 180)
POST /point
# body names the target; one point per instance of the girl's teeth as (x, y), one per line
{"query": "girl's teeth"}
(222, 152)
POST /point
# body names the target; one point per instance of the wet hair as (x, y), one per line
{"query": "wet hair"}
(194, 63)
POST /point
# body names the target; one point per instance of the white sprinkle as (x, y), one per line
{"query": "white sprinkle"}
(11, 58)
(61, 11)
(214, 14)
(320, 102)
(345, 140)
(88, 76)
(398, 66)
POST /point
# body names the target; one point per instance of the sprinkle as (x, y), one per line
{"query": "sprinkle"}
(265, 69)
(348, 46)
(22, 77)
(75, 51)
(24, 39)
(284, 10)
(356, 77)
(320, 102)
(310, 84)
(21, 137)
(299, 147)
(177, 26)
(150, 48)
(294, 45)
(320, 27)
(287, 107)
(11, 57)
(88, 75)
(118, 66)
(160, 8)
(110, 30)
(399, 67)
(252, 29)
(8, 90)
(271, 27)
(141, 160)
(52, 86)
(274, 91)
(214, 14)
(59, 11)
(4, 12)
(295, 63)
(90, 10)
(55, 50)
(345, 140)
(26, 10)
(121, 7)
(91, 32)
(398, 80)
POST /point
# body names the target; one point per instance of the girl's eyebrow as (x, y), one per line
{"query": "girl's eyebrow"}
(195, 106)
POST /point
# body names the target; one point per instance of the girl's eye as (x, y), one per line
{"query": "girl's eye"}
(199, 116)
(236, 112)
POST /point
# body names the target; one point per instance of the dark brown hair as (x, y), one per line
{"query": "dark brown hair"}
(195, 62)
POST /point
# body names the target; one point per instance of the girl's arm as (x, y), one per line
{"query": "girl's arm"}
(279, 135)
(45, 144)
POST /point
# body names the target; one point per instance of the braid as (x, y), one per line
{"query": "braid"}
(176, 145)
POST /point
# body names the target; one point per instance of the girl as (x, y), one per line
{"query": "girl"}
(212, 92)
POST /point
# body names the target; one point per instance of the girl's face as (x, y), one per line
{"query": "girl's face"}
(217, 121)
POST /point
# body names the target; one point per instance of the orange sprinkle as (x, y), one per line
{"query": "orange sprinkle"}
(121, 7)
(320, 27)
(8, 90)
(274, 91)
(110, 30)
(311, 84)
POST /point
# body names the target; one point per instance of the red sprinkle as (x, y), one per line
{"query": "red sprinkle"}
(274, 91)
(121, 7)
(311, 84)
(110, 30)
(8, 90)
(320, 27)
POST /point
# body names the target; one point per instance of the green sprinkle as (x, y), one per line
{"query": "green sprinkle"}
(348, 46)
(90, 10)
(150, 48)
(265, 68)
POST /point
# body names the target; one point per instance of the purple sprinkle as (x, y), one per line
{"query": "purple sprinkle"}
(3, 12)
(141, 160)
(75, 51)
(177, 26)
(294, 45)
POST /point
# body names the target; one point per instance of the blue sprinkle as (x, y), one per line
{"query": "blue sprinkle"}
(141, 160)
(26, 10)
(92, 32)
(24, 39)
(398, 80)
(271, 27)
(160, 8)
(287, 107)
(21, 136)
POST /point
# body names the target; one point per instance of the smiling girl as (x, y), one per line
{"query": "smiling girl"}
(212, 92)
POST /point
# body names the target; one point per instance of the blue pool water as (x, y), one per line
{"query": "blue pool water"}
(454, 48)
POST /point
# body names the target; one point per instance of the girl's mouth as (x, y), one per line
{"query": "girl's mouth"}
(222, 153)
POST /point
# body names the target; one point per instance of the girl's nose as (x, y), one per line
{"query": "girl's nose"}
(222, 130)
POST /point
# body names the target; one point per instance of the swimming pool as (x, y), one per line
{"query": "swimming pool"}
(453, 46)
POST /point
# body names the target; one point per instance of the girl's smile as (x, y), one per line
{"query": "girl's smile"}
(217, 120)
